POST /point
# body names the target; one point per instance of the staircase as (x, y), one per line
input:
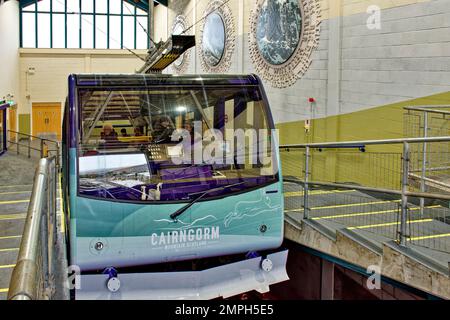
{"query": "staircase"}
(360, 229)
(16, 178)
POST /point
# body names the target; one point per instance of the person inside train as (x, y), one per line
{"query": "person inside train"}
(138, 132)
(163, 130)
(124, 133)
(109, 134)
(189, 127)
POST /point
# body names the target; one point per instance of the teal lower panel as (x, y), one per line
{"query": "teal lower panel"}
(131, 233)
(243, 214)
(135, 251)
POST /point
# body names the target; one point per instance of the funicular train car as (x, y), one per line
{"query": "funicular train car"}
(172, 187)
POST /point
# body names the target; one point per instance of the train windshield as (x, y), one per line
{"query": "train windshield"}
(173, 144)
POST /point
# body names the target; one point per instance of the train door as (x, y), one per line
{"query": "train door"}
(47, 120)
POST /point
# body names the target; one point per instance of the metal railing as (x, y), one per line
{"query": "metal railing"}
(33, 146)
(430, 163)
(426, 121)
(38, 263)
(368, 189)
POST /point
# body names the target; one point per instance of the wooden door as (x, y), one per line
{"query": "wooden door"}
(47, 120)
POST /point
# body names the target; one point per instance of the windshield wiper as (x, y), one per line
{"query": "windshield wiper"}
(182, 210)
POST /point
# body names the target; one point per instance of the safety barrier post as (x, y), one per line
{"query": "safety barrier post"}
(404, 204)
(306, 213)
(424, 162)
(42, 149)
(29, 148)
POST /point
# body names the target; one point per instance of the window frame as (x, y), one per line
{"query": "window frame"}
(123, 13)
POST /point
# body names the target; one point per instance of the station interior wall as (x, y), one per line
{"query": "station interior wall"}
(9, 43)
(361, 78)
(367, 67)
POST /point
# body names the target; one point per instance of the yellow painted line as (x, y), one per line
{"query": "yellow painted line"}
(367, 213)
(10, 237)
(354, 205)
(4, 290)
(388, 224)
(8, 266)
(313, 193)
(346, 205)
(9, 250)
(15, 192)
(437, 236)
(14, 202)
(19, 216)
(293, 194)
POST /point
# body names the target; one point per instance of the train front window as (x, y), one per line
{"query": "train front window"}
(165, 144)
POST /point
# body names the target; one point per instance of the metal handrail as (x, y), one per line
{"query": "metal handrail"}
(34, 137)
(429, 109)
(428, 106)
(425, 126)
(430, 195)
(367, 142)
(37, 249)
(42, 151)
(405, 174)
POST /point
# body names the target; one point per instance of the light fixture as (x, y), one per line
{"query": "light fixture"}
(164, 54)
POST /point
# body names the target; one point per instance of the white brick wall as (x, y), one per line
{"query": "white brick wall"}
(408, 58)
(9, 42)
(287, 104)
(52, 68)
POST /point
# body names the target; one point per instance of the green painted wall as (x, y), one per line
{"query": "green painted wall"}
(378, 167)
(25, 123)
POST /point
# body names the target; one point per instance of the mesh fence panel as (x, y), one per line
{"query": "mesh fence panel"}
(430, 162)
(376, 211)
(429, 228)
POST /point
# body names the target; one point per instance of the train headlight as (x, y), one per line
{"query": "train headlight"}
(99, 246)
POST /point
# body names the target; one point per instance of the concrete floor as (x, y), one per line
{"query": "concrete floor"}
(16, 177)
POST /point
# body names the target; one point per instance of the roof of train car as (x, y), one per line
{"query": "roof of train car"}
(144, 80)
